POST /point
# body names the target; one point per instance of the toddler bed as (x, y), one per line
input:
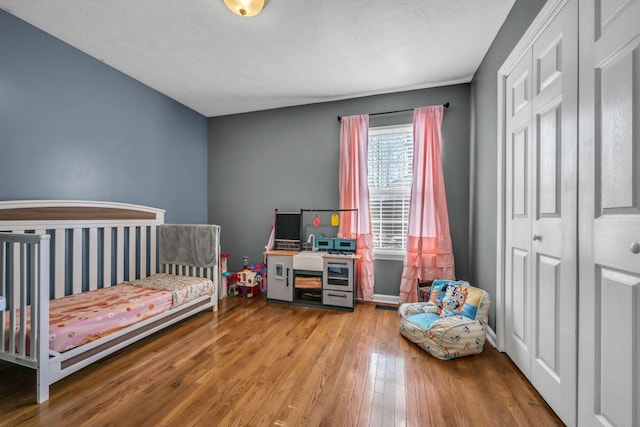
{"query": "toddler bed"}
(59, 263)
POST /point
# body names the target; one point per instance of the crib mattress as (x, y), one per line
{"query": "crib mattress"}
(78, 319)
(183, 289)
(75, 320)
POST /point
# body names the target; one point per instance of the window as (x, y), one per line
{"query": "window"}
(390, 158)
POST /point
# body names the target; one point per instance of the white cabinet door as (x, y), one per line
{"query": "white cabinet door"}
(280, 277)
(541, 213)
(609, 219)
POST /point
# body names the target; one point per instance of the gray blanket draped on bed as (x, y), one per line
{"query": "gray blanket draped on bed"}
(190, 245)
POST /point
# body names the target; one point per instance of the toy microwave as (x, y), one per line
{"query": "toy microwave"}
(324, 244)
(344, 245)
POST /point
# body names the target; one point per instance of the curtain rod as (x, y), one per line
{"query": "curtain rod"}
(445, 105)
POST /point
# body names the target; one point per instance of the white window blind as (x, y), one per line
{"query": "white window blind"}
(390, 157)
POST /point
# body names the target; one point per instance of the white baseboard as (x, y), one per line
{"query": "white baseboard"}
(386, 299)
(491, 337)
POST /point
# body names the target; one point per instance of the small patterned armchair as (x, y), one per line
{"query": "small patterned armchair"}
(453, 323)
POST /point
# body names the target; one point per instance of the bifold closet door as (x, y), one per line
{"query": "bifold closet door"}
(555, 218)
(541, 218)
(609, 240)
(518, 296)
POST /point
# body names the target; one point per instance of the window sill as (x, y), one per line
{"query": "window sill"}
(387, 255)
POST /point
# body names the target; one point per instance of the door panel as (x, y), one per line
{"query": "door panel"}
(520, 176)
(618, 179)
(519, 311)
(549, 167)
(549, 63)
(549, 318)
(618, 344)
(554, 105)
(280, 277)
(520, 90)
(609, 241)
(610, 9)
(518, 205)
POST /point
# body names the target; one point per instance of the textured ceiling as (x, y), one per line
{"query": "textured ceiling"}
(295, 52)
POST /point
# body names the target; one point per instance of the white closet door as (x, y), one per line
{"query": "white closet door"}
(609, 240)
(541, 213)
(554, 213)
(518, 215)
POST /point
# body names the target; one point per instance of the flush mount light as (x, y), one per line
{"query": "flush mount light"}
(245, 7)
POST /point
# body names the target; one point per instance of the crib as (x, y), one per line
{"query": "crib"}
(52, 249)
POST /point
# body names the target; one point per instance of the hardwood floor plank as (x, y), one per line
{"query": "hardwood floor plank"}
(400, 407)
(256, 363)
(360, 354)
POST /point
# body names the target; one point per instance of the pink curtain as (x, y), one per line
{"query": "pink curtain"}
(429, 252)
(354, 194)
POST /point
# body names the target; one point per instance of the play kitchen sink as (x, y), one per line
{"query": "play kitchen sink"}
(308, 260)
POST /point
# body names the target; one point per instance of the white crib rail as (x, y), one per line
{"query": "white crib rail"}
(184, 270)
(71, 244)
(91, 240)
(25, 285)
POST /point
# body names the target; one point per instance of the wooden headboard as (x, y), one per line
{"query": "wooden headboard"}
(93, 244)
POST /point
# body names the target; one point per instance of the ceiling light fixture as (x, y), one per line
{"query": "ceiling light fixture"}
(245, 7)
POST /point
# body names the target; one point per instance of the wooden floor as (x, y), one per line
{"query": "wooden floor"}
(255, 363)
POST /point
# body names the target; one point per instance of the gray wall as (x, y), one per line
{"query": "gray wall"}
(86, 131)
(485, 162)
(72, 127)
(288, 159)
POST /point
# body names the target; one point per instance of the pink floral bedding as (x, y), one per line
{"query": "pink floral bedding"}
(78, 319)
(184, 289)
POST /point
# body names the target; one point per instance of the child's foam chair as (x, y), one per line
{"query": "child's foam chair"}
(453, 323)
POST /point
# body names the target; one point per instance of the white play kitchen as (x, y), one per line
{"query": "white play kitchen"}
(309, 265)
